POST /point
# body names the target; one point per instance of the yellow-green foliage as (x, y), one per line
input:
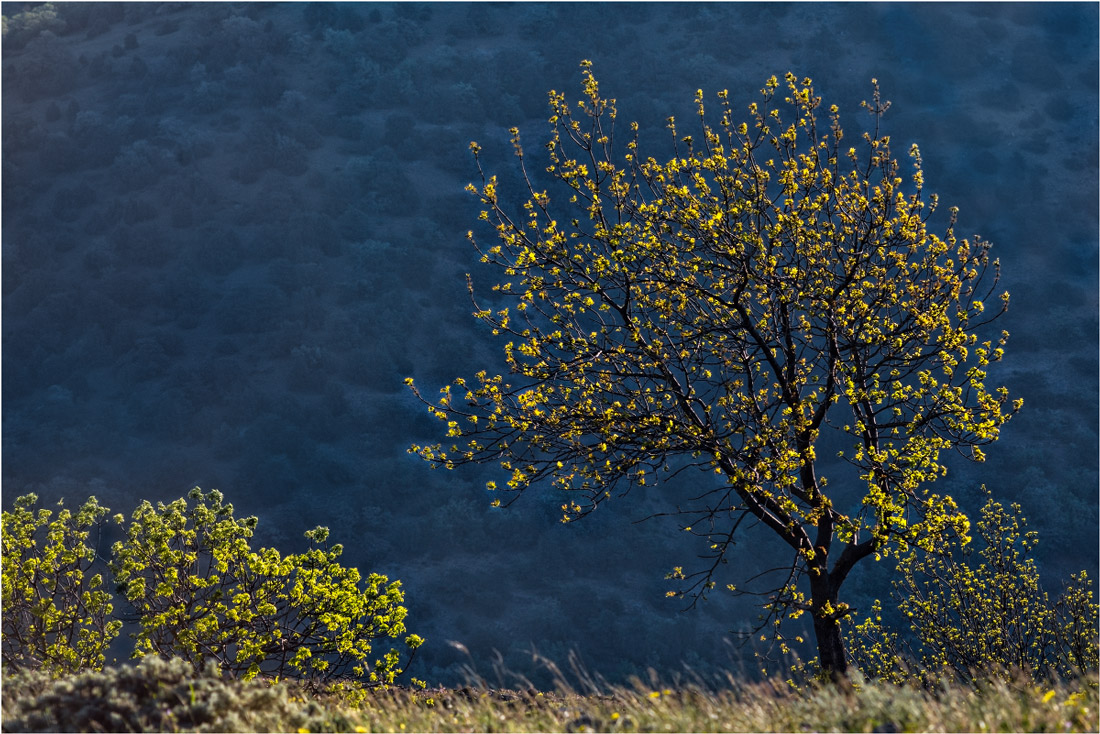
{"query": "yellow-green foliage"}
(201, 593)
(979, 620)
(56, 615)
(198, 592)
(767, 283)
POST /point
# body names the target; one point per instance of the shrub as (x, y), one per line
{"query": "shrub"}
(154, 695)
(201, 593)
(984, 621)
(21, 28)
(56, 616)
(387, 190)
(270, 144)
(198, 592)
(43, 68)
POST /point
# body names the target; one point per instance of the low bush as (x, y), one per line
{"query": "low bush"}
(977, 622)
(202, 594)
(197, 592)
(154, 695)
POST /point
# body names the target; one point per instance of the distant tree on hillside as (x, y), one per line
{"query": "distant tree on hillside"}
(767, 287)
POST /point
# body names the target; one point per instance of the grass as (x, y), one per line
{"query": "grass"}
(754, 707)
(164, 696)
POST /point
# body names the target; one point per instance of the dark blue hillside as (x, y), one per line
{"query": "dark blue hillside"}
(230, 231)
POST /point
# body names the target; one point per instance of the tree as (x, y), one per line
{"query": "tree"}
(764, 291)
(201, 593)
(56, 615)
(984, 620)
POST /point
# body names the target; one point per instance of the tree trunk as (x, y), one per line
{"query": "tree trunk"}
(830, 643)
(830, 647)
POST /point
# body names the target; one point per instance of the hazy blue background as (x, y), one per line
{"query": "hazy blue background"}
(231, 230)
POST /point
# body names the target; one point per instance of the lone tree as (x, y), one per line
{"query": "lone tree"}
(765, 291)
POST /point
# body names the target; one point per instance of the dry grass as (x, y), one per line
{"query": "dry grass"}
(738, 707)
(165, 696)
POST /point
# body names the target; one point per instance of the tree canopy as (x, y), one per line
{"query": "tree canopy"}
(766, 291)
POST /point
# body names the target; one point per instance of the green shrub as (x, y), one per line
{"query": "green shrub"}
(975, 622)
(198, 592)
(202, 594)
(56, 616)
